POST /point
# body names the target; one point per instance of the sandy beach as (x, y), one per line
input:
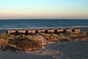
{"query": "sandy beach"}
(62, 50)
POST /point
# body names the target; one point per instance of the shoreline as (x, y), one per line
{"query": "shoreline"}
(82, 29)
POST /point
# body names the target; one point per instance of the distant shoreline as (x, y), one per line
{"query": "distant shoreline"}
(45, 19)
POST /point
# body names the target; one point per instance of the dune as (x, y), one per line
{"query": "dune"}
(61, 50)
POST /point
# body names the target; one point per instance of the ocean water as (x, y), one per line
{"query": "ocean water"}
(42, 23)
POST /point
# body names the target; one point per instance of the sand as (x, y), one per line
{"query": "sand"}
(62, 50)
(71, 50)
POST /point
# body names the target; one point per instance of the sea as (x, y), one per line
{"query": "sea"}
(42, 23)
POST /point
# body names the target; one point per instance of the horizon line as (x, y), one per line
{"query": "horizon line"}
(44, 19)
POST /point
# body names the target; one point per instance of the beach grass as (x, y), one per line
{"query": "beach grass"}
(37, 41)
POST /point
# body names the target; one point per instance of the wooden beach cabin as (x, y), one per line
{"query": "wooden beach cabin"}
(21, 31)
(50, 30)
(31, 31)
(59, 30)
(68, 30)
(11, 31)
(76, 30)
(41, 30)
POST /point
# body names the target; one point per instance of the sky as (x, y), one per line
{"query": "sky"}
(43, 9)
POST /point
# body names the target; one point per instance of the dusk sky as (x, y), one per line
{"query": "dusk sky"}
(45, 9)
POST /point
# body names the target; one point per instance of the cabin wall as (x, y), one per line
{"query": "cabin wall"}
(34, 31)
